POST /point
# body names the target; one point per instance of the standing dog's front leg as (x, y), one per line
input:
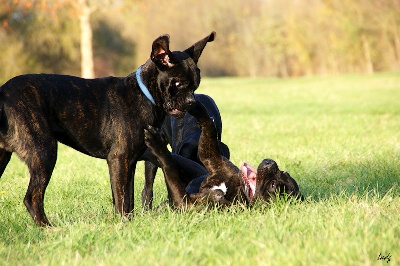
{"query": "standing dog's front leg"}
(150, 171)
(121, 178)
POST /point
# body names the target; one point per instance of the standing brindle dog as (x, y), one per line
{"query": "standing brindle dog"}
(103, 117)
(224, 183)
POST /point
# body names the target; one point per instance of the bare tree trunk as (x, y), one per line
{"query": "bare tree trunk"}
(87, 68)
(397, 46)
(367, 55)
(283, 70)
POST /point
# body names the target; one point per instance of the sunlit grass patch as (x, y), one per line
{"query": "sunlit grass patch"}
(337, 136)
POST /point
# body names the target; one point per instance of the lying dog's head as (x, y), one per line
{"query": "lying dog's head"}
(178, 75)
(272, 182)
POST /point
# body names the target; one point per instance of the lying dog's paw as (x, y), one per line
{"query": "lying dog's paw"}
(199, 112)
(152, 138)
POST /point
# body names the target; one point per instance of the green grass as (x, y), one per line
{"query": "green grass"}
(339, 137)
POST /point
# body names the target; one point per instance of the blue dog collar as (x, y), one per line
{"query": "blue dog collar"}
(143, 87)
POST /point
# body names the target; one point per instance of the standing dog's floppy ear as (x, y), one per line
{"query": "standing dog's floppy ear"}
(160, 52)
(196, 49)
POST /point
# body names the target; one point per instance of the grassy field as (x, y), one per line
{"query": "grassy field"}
(339, 137)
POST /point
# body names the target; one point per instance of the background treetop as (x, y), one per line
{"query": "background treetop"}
(254, 38)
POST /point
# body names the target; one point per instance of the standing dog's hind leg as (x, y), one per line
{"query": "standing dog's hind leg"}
(40, 164)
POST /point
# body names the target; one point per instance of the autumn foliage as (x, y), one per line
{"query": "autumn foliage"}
(254, 38)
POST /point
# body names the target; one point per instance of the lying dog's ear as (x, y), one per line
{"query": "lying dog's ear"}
(160, 51)
(196, 49)
(266, 178)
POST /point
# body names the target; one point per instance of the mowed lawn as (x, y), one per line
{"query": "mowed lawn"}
(339, 137)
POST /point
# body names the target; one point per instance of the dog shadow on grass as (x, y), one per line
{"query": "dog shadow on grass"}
(376, 179)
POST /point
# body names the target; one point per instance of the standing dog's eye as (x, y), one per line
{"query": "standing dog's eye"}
(178, 83)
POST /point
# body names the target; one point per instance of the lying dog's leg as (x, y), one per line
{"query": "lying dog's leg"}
(176, 190)
(209, 152)
(223, 184)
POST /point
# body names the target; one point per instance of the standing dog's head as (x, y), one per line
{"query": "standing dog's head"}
(272, 182)
(178, 75)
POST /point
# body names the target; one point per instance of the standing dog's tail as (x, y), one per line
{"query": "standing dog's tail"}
(5, 155)
(1, 114)
(3, 119)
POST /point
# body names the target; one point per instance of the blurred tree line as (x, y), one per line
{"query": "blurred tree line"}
(254, 37)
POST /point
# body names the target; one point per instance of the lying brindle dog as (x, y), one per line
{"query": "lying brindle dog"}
(183, 134)
(224, 184)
